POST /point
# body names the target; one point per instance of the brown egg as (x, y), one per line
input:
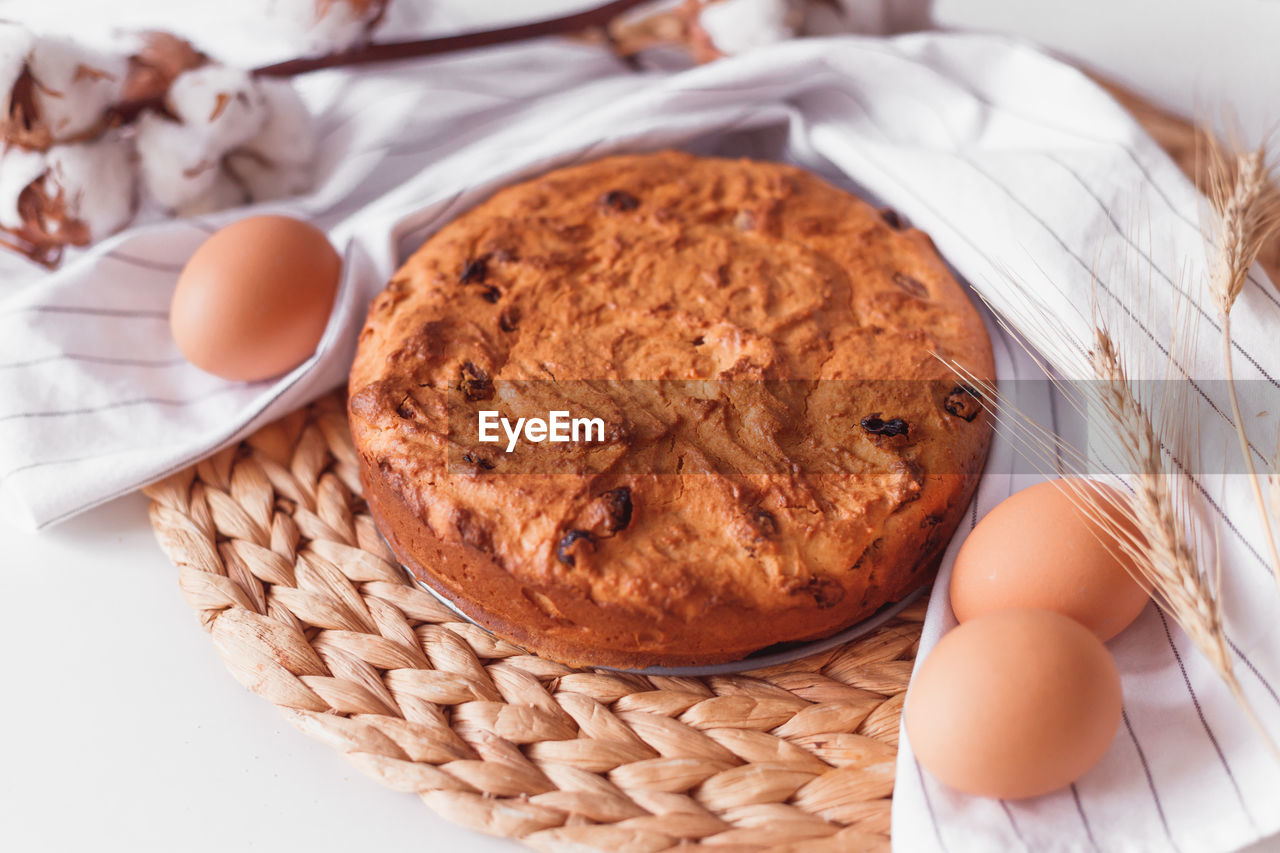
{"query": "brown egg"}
(1038, 549)
(254, 299)
(1015, 703)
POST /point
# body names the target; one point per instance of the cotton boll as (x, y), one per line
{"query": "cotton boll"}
(194, 166)
(277, 162)
(736, 26)
(178, 165)
(95, 181)
(19, 168)
(70, 195)
(74, 86)
(318, 27)
(53, 90)
(218, 109)
(223, 105)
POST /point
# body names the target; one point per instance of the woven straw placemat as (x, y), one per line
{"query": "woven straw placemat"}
(277, 553)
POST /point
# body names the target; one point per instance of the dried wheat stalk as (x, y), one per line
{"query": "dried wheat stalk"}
(1274, 484)
(1247, 206)
(1165, 553)
(1247, 202)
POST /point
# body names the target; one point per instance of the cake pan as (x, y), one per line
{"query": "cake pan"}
(766, 657)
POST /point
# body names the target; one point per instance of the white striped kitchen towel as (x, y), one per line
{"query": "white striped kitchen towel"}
(1022, 170)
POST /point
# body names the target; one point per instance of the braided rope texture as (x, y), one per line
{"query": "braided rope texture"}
(278, 555)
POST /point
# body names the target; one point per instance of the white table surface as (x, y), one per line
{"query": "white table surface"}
(122, 731)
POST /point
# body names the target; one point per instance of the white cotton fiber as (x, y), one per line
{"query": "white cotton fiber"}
(736, 26)
(257, 146)
(218, 108)
(222, 104)
(97, 182)
(74, 85)
(177, 166)
(285, 135)
(276, 163)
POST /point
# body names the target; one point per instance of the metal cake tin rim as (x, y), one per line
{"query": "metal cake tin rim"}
(801, 650)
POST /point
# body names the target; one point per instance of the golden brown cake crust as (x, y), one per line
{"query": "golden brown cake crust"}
(610, 286)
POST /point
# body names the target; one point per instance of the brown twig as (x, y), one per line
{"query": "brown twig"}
(391, 51)
(396, 50)
(369, 54)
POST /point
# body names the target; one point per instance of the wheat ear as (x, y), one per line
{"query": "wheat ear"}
(1248, 215)
(1166, 556)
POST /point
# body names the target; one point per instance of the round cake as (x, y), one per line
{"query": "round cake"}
(773, 444)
